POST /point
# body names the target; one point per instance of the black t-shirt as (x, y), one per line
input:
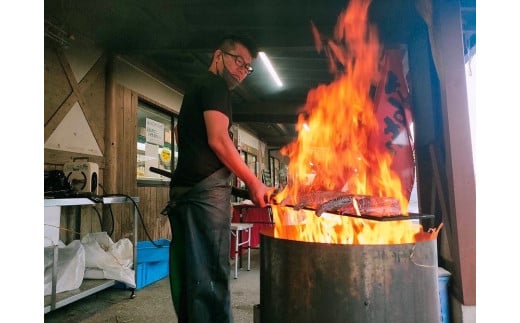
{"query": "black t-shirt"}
(196, 160)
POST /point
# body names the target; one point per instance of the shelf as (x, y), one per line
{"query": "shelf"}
(87, 288)
(76, 201)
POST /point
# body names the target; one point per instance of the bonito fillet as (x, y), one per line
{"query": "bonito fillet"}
(342, 204)
(371, 205)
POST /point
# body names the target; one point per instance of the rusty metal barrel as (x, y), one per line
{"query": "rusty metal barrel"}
(318, 282)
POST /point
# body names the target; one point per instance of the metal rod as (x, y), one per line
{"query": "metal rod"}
(410, 216)
(238, 192)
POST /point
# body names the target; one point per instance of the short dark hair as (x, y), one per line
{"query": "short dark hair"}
(228, 42)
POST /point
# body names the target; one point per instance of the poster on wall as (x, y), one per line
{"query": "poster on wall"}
(154, 132)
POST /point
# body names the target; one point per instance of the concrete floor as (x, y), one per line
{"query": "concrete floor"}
(153, 303)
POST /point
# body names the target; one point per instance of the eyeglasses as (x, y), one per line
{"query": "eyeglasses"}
(240, 62)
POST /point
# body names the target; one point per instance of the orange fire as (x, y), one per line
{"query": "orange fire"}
(338, 147)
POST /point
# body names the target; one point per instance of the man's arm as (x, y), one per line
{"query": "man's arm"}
(222, 145)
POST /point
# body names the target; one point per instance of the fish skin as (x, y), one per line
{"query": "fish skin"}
(333, 205)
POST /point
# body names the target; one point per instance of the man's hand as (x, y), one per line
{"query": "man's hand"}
(258, 192)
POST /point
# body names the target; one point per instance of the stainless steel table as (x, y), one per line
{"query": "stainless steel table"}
(88, 286)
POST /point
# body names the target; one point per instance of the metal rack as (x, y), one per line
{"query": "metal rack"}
(88, 286)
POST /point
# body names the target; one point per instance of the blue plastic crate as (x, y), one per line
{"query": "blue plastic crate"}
(444, 278)
(152, 262)
(148, 252)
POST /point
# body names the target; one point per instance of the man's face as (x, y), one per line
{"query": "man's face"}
(237, 61)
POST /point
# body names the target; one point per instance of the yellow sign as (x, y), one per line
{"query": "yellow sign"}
(166, 155)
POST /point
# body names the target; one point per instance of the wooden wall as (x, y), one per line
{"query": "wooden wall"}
(153, 200)
(110, 110)
(61, 92)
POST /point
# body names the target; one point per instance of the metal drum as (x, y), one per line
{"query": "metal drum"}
(318, 282)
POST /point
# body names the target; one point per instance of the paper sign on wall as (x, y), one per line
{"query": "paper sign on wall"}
(154, 132)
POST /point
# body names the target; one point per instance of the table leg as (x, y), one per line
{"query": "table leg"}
(134, 265)
(239, 236)
(236, 253)
(54, 276)
(249, 248)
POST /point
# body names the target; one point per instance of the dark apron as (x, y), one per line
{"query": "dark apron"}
(200, 218)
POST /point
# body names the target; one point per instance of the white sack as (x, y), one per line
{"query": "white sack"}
(105, 259)
(70, 267)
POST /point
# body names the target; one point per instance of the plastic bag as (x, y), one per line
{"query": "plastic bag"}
(70, 267)
(105, 259)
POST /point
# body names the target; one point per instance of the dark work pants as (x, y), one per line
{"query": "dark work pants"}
(200, 219)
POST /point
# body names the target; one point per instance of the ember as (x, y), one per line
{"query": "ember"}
(339, 148)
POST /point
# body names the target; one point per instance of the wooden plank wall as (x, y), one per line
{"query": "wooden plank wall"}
(153, 200)
(62, 91)
(111, 112)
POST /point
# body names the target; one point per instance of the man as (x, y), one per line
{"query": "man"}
(200, 194)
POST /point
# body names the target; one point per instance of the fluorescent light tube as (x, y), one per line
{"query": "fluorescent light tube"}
(270, 68)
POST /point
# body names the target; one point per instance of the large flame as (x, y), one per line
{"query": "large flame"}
(339, 147)
(304, 225)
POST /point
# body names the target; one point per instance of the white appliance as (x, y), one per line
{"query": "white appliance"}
(82, 176)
